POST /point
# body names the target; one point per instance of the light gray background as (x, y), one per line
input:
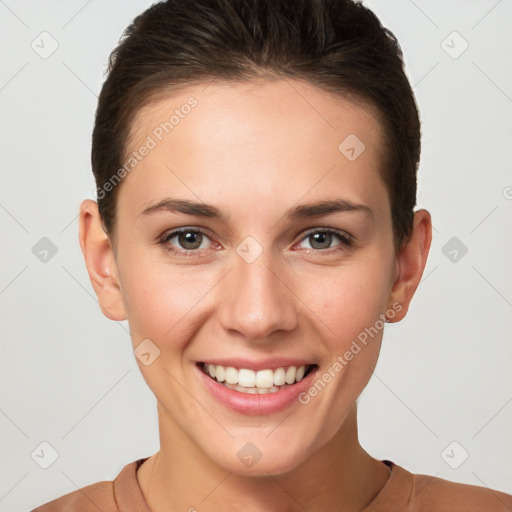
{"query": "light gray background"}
(68, 374)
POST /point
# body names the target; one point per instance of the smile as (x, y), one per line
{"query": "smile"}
(260, 382)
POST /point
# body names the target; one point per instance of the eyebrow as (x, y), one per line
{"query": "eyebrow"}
(305, 211)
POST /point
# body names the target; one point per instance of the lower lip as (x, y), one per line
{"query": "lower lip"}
(256, 405)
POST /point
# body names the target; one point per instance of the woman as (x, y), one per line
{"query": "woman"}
(256, 170)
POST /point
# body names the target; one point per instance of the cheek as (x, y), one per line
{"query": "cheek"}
(348, 299)
(351, 309)
(161, 300)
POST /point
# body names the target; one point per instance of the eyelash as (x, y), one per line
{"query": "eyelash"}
(346, 241)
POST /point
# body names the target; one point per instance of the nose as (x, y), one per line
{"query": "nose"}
(257, 300)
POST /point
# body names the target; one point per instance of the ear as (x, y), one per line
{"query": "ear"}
(100, 261)
(411, 262)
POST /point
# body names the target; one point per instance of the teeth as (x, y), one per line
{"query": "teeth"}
(299, 374)
(246, 378)
(290, 375)
(254, 391)
(220, 373)
(262, 381)
(231, 375)
(279, 377)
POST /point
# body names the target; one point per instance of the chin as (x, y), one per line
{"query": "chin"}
(259, 458)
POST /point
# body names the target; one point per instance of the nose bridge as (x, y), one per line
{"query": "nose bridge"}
(256, 302)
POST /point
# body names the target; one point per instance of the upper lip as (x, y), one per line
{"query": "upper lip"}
(272, 364)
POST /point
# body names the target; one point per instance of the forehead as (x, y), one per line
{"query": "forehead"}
(284, 135)
(260, 105)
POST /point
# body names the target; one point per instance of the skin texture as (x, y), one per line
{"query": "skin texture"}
(254, 151)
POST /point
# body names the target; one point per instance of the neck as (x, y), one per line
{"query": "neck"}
(341, 475)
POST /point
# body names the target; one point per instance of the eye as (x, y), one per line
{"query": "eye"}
(321, 240)
(189, 240)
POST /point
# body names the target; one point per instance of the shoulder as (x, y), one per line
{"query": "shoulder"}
(123, 493)
(433, 493)
(94, 497)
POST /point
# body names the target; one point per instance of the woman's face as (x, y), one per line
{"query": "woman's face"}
(258, 279)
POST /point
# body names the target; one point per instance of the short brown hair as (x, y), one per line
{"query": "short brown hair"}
(337, 45)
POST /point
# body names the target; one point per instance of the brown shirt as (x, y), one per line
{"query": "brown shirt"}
(403, 492)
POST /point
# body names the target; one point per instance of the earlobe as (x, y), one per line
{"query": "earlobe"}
(411, 263)
(100, 261)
